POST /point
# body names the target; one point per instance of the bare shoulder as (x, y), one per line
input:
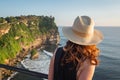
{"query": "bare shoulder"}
(87, 63)
(86, 72)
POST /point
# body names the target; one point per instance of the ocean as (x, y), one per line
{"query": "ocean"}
(110, 55)
(108, 69)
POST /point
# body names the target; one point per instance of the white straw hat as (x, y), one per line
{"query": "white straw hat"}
(82, 32)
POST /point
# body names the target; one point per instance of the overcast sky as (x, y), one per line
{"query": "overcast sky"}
(104, 12)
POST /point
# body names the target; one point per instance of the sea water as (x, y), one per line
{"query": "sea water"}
(108, 69)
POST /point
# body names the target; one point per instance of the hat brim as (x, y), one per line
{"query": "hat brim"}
(70, 35)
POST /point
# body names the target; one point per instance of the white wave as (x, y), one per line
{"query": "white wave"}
(38, 65)
(48, 53)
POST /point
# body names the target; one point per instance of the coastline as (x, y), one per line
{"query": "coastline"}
(40, 43)
(43, 59)
(21, 34)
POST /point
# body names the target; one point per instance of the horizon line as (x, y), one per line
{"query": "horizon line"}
(95, 26)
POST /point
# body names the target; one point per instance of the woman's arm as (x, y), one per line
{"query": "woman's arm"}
(51, 68)
(86, 72)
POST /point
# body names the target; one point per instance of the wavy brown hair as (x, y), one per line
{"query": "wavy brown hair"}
(79, 53)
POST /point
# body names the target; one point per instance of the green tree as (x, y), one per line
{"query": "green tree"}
(2, 20)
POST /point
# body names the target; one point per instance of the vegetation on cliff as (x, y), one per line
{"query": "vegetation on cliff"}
(20, 31)
(34, 54)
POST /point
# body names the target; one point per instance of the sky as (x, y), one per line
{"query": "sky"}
(104, 12)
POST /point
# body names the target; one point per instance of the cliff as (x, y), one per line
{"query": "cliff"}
(21, 34)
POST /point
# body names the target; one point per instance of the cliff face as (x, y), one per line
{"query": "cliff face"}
(20, 34)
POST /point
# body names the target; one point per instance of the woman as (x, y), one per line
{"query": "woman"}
(78, 58)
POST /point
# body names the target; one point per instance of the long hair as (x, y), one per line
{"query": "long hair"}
(79, 53)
